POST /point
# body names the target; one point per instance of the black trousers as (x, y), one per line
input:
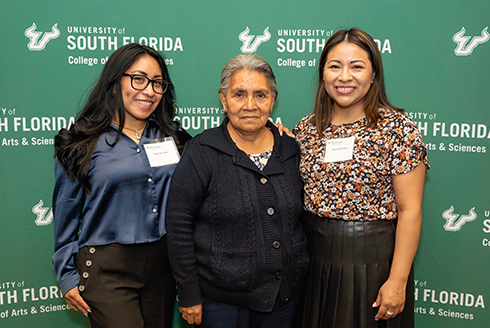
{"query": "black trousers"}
(127, 285)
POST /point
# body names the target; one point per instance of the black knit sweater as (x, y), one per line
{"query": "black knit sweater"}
(234, 232)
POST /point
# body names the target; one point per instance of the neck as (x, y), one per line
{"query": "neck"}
(138, 125)
(347, 115)
(256, 142)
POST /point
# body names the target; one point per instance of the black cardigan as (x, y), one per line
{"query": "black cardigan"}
(234, 232)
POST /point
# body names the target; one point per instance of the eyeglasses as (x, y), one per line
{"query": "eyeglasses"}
(140, 82)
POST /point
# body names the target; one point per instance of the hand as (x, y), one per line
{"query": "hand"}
(390, 300)
(76, 302)
(192, 314)
(282, 128)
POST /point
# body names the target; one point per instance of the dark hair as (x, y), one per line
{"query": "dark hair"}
(74, 147)
(375, 98)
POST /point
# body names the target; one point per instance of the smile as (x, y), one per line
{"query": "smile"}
(144, 103)
(345, 89)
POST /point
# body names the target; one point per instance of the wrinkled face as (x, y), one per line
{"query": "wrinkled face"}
(348, 75)
(140, 104)
(248, 101)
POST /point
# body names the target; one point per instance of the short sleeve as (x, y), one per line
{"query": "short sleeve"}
(406, 147)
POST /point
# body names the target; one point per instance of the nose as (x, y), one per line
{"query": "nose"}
(149, 90)
(345, 74)
(250, 103)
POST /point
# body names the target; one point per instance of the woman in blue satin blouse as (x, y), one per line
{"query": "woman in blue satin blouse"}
(109, 198)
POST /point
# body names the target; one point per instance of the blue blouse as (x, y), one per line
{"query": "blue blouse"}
(126, 206)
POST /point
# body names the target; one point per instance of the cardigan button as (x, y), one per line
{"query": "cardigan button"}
(91, 250)
(88, 263)
(278, 275)
(263, 180)
(81, 288)
(276, 244)
(270, 211)
(85, 274)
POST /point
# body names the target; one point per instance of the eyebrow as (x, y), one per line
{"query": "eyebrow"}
(144, 73)
(238, 89)
(353, 61)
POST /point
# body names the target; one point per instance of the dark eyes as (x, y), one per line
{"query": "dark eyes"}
(258, 95)
(338, 67)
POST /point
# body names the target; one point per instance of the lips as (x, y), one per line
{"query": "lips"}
(145, 103)
(344, 89)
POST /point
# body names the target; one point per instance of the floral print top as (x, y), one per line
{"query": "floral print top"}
(359, 189)
(260, 159)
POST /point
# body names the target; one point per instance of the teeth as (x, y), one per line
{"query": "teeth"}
(345, 89)
(144, 103)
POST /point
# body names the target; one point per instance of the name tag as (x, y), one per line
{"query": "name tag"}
(162, 152)
(339, 150)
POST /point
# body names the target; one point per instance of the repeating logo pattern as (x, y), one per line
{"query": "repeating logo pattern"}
(464, 48)
(44, 214)
(37, 45)
(452, 222)
(248, 47)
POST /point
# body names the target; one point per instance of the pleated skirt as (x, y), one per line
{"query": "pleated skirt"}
(350, 261)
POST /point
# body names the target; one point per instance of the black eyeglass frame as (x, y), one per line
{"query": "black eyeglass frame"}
(164, 83)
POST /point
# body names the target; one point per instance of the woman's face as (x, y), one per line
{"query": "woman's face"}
(140, 104)
(248, 101)
(348, 75)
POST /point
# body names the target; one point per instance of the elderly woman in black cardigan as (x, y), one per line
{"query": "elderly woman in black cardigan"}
(236, 244)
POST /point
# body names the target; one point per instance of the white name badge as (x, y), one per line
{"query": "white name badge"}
(162, 152)
(339, 150)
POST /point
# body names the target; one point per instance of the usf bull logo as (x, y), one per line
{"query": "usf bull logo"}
(36, 44)
(248, 47)
(464, 48)
(454, 222)
(44, 215)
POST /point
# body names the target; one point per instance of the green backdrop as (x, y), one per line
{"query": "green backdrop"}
(436, 59)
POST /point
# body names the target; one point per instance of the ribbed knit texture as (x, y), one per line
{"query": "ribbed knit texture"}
(234, 231)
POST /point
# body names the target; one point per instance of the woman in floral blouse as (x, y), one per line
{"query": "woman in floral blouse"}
(363, 163)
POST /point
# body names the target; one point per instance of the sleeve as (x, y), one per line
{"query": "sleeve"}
(68, 200)
(187, 191)
(406, 149)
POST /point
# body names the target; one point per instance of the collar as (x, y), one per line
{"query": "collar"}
(220, 139)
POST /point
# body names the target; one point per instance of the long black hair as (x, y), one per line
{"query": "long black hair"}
(74, 147)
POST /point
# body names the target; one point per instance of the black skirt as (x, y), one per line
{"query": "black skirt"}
(350, 261)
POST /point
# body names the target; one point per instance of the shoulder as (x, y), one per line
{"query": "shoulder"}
(397, 122)
(210, 138)
(395, 117)
(303, 123)
(285, 145)
(305, 129)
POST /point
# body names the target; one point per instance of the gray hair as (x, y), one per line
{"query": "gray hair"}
(251, 62)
